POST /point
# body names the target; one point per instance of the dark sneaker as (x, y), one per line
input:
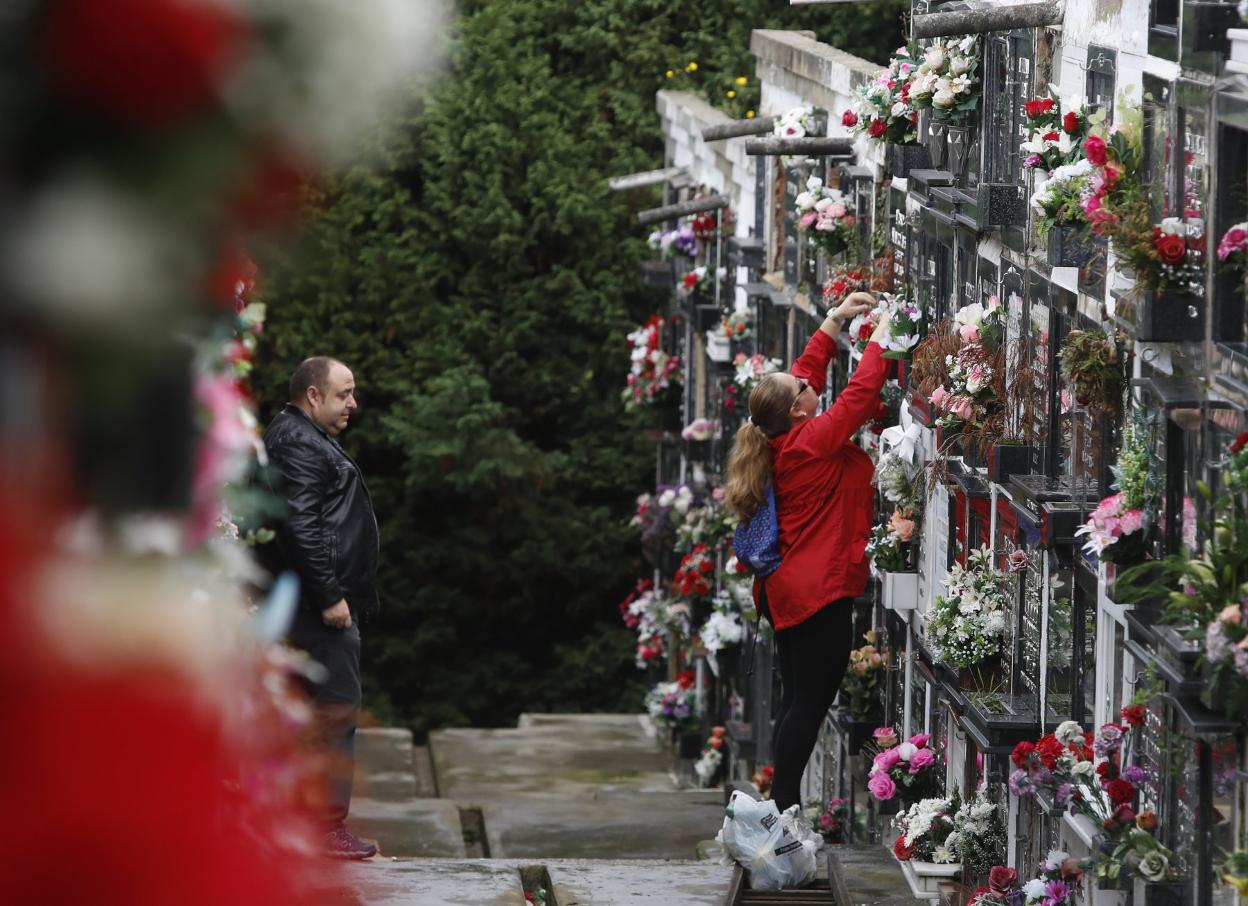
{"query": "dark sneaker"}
(342, 844)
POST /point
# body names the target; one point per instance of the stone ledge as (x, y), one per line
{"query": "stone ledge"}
(827, 67)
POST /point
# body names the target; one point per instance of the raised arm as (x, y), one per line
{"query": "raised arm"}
(855, 404)
(308, 546)
(812, 365)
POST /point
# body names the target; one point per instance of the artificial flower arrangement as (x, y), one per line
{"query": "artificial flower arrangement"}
(1232, 247)
(925, 832)
(1119, 529)
(1058, 198)
(1056, 138)
(798, 122)
(1169, 255)
(968, 623)
(981, 834)
(709, 523)
(739, 325)
(696, 282)
(830, 821)
(962, 369)
(824, 215)
(906, 327)
(890, 544)
(652, 371)
(680, 241)
(844, 279)
(947, 79)
(655, 617)
(1091, 775)
(658, 514)
(762, 778)
(712, 224)
(695, 577)
(699, 429)
(712, 758)
(1058, 882)
(882, 109)
(673, 705)
(898, 481)
(1092, 370)
(862, 327)
(733, 607)
(862, 677)
(908, 770)
(750, 369)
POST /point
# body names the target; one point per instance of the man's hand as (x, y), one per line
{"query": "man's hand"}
(338, 616)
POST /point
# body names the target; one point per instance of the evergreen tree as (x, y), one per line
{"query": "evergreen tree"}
(479, 278)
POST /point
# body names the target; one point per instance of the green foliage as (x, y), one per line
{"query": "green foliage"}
(480, 279)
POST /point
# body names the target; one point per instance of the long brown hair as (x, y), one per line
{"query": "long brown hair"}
(749, 463)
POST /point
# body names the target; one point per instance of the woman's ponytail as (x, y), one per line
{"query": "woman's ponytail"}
(749, 471)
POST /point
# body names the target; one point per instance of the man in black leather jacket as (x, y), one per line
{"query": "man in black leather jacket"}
(329, 538)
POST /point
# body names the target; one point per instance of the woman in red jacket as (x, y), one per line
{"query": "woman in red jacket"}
(823, 506)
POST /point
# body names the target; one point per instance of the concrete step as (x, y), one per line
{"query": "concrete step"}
(385, 764)
(414, 828)
(496, 882)
(619, 825)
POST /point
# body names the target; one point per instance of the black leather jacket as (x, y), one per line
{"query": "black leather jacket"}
(329, 536)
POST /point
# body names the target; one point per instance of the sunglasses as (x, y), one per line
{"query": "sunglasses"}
(802, 387)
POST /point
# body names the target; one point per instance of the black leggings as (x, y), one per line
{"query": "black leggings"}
(813, 656)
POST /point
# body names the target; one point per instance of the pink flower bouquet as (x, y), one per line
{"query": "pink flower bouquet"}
(908, 771)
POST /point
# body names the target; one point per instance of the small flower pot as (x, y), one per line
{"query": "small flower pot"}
(926, 877)
(1170, 317)
(1161, 893)
(904, 158)
(1005, 460)
(899, 591)
(1070, 246)
(936, 144)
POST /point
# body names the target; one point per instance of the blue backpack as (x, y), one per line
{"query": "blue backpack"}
(757, 543)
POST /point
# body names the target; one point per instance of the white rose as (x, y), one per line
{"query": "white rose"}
(667, 498)
(943, 99)
(1034, 889)
(934, 56)
(944, 84)
(970, 314)
(804, 200)
(814, 183)
(1069, 731)
(1172, 226)
(959, 65)
(906, 750)
(824, 203)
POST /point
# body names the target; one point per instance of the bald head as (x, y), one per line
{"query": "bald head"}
(324, 389)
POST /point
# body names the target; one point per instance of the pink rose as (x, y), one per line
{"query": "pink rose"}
(837, 210)
(919, 740)
(969, 332)
(1231, 614)
(885, 737)
(938, 397)
(1235, 240)
(881, 787)
(960, 407)
(1094, 150)
(1132, 521)
(921, 759)
(808, 219)
(901, 527)
(825, 224)
(887, 760)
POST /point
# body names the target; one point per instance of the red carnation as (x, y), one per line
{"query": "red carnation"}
(684, 679)
(1038, 107)
(1134, 715)
(1171, 249)
(1050, 137)
(1239, 442)
(1103, 769)
(876, 129)
(1022, 751)
(1070, 122)
(849, 119)
(1094, 150)
(1120, 791)
(148, 62)
(1049, 750)
(901, 851)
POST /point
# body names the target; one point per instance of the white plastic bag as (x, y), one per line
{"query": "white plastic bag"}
(776, 850)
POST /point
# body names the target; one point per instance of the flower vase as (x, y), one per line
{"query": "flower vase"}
(958, 143)
(1170, 317)
(899, 591)
(936, 144)
(698, 450)
(1160, 893)
(1005, 460)
(690, 745)
(986, 676)
(926, 877)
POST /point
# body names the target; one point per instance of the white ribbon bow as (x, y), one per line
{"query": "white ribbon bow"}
(901, 441)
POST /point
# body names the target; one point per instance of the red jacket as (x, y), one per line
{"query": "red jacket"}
(824, 497)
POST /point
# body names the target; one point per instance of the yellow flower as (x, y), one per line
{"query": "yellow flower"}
(742, 80)
(692, 67)
(732, 94)
(670, 73)
(749, 114)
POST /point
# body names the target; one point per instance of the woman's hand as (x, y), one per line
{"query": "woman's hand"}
(854, 305)
(881, 329)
